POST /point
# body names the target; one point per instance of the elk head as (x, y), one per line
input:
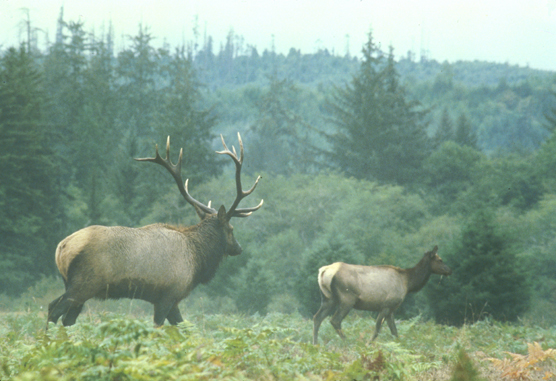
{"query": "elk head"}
(206, 211)
(436, 263)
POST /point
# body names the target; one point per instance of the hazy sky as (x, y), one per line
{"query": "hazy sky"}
(521, 32)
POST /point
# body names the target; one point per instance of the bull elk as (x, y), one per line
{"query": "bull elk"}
(371, 288)
(158, 263)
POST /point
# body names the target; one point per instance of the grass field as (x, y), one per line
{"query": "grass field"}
(126, 346)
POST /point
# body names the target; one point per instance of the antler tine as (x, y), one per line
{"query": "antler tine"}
(240, 148)
(156, 155)
(168, 149)
(227, 151)
(175, 171)
(248, 192)
(223, 142)
(233, 211)
(246, 212)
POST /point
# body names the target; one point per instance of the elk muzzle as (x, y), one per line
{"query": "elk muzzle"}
(438, 267)
(235, 248)
(442, 269)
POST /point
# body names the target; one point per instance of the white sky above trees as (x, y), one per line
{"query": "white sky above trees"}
(517, 32)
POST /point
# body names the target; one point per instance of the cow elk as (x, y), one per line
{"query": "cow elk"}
(371, 288)
(158, 263)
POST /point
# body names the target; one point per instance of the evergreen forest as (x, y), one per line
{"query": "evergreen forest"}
(371, 159)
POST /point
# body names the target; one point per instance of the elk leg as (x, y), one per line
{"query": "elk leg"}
(392, 324)
(72, 314)
(174, 316)
(340, 314)
(381, 315)
(161, 311)
(57, 308)
(326, 308)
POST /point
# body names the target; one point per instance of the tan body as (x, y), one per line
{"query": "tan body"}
(158, 255)
(371, 288)
(376, 287)
(158, 263)
(136, 253)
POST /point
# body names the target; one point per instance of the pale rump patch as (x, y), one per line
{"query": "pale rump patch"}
(69, 248)
(326, 273)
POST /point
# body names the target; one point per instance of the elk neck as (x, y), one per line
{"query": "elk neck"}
(209, 241)
(418, 275)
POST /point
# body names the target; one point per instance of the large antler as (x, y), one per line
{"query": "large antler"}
(175, 171)
(234, 211)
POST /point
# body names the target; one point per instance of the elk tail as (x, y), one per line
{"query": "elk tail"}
(326, 274)
(69, 248)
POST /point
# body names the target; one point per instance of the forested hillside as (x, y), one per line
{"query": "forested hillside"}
(365, 159)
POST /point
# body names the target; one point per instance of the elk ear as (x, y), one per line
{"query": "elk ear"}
(431, 254)
(222, 215)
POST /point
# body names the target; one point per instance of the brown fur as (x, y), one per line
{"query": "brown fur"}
(158, 263)
(371, 288)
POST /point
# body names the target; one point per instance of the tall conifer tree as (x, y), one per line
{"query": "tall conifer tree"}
(29, 206)
(445, 129)
(487, 280)
(464, 134)
(380, 134)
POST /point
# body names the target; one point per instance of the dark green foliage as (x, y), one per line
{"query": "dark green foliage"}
(251, 289)
(181, 117)
(280, 136)
(545, 160)
(445, 129)
(465, 134)
(544, 164)
(28, 193)
(70, 130)
(537, 228)
(488, 280)
(80, 81)
(550, 114)
(450, 172)
(380, 133)
(509, 180)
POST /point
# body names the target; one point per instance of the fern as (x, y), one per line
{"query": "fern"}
(273, 347)
(523, 367)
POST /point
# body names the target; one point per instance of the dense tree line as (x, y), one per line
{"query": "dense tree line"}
(365, 160)
(72, 120)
